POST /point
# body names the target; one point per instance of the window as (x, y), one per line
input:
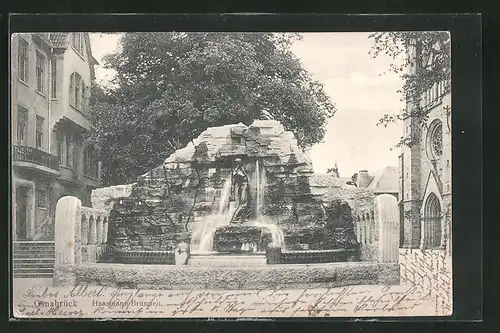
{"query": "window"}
(90, 168)
(41, 196)
(75, 90)
(78, 42)
(40, 72)
(23, 60)
(435, 140)
(39, 131)
(22, 124)
(60, 147)
(82, 102)
(53, 77)
(432, 222)
(69, 151)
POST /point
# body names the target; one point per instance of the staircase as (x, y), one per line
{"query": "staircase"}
(33, 259)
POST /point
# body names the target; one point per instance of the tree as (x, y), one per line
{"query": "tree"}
(422, 59)
(169, 87)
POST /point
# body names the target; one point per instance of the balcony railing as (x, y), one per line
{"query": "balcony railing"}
(33, 155)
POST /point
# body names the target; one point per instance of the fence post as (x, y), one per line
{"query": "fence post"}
(67, 239)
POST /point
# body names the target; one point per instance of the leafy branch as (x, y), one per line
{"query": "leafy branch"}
(422, 60)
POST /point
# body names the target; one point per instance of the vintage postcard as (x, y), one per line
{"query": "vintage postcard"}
(214, 174)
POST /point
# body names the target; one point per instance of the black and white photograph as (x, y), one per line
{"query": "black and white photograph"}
(231, 174)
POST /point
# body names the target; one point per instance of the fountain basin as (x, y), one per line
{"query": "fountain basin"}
(230, 278)
(231, 260)
(144, 257)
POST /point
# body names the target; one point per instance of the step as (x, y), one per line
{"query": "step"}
(33, 261)
(34, 246)
(228, 260)
(34, 275)
(33, 265)
(32, 270)
(36, 255)
(33, 251)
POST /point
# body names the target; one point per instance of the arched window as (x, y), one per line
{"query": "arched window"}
(76, 91)
(435, 140)
(432, 222)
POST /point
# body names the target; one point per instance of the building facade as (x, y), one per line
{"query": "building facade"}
(51, 75)
(425, 170)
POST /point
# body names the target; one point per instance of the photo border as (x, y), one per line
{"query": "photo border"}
(466, 116)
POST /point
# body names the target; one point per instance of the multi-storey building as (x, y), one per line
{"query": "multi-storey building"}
(425, 168)
(50, 90)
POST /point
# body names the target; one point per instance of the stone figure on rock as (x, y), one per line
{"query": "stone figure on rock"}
(240, 192)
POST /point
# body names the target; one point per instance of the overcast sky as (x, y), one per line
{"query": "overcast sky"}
(355, 84)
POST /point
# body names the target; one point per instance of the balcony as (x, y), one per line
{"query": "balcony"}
(35, 159)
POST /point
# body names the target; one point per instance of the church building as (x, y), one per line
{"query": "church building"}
(425, 168)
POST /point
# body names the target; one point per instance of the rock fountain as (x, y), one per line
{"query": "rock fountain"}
(232, 192)
(237, 208)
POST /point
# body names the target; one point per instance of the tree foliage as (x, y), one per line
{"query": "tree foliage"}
(169, 87)
(422, 59)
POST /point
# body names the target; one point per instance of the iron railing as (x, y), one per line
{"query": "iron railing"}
(33, 155)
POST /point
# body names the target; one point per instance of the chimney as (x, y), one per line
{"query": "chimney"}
(363, 179)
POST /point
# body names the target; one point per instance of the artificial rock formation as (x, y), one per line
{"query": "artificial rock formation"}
(168, 202)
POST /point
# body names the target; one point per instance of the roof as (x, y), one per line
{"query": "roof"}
(385, 180)
(59, 39)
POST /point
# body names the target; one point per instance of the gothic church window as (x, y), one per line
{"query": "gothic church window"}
(432, 222)
(435, 140)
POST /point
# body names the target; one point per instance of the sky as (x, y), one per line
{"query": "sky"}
(361, 87)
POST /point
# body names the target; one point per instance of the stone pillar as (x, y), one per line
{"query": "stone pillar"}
(387, 216)
(99, 231)
(92, 231)
(67, 240)
(423, 236)
(105, 231)
(369, 229)
(273, 254)
(84, 227)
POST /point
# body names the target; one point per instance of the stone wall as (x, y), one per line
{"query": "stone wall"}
(103, 198)
(169, 201)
